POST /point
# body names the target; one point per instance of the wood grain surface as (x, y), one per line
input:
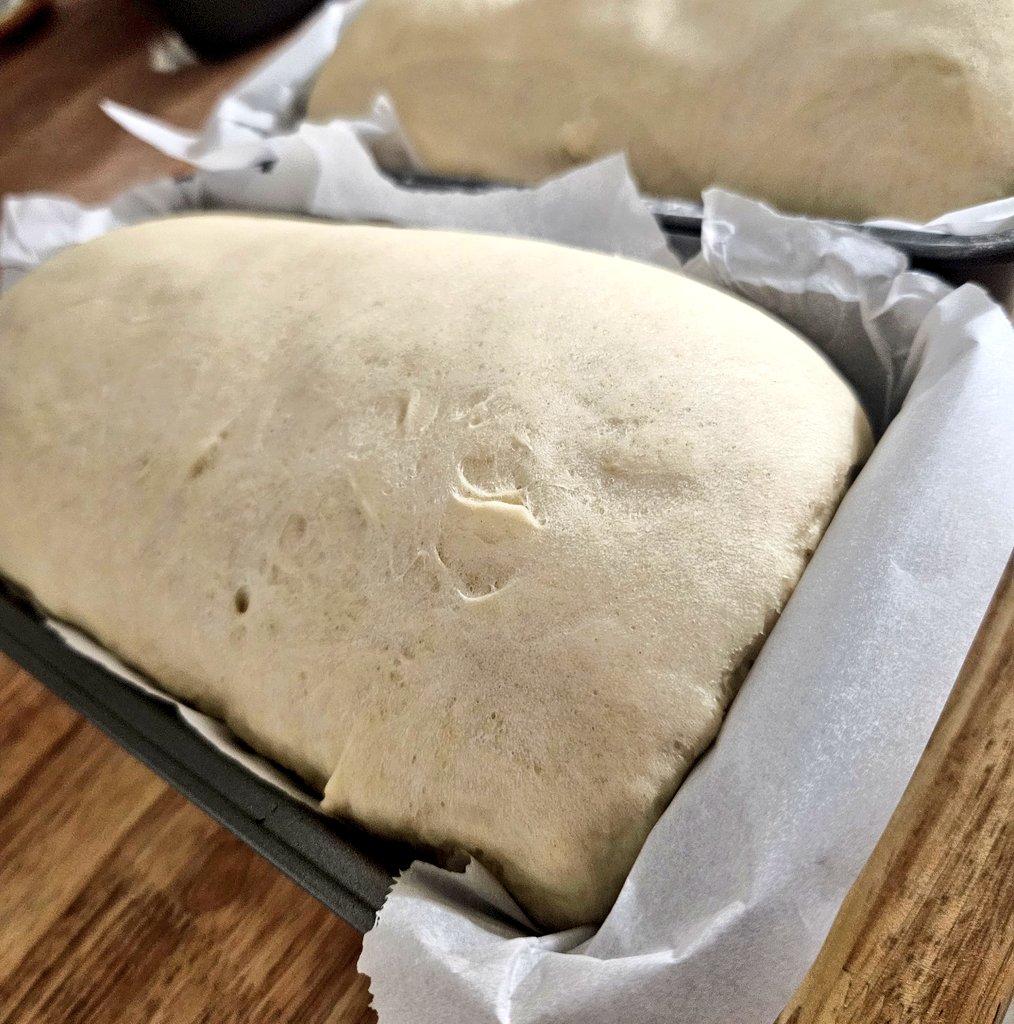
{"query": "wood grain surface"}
(926, 935)
(53, 137)
(120, 901)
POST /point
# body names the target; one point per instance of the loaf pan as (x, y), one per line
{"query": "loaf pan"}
(347, 870)
(943, 254)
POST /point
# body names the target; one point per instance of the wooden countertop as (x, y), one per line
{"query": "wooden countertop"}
(121, 901)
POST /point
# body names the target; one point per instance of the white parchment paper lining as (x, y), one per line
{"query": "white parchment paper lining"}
(738, 883)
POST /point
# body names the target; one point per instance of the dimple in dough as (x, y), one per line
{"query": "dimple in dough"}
(852, 108)
(476, 534)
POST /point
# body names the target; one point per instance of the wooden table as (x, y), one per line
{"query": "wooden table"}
(120, 901)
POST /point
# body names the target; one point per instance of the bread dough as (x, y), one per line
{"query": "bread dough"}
(477, 534)
(851, 109)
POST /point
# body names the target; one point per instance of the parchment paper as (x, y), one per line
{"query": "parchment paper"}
(737, 885)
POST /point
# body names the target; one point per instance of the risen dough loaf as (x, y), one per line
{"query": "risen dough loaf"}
(855, 108)
(474, 533)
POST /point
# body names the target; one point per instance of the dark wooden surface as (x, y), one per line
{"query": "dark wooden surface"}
(122, 902)
(53, 137)
(119, 901)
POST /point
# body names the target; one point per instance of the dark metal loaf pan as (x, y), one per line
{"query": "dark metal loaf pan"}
(347, 870)
(943, 254)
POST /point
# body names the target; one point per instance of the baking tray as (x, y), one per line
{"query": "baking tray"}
(344, 868)
(349, 871)
(943, 254)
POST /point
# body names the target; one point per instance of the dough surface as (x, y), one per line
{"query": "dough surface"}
(477, 534)
(854, 109)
